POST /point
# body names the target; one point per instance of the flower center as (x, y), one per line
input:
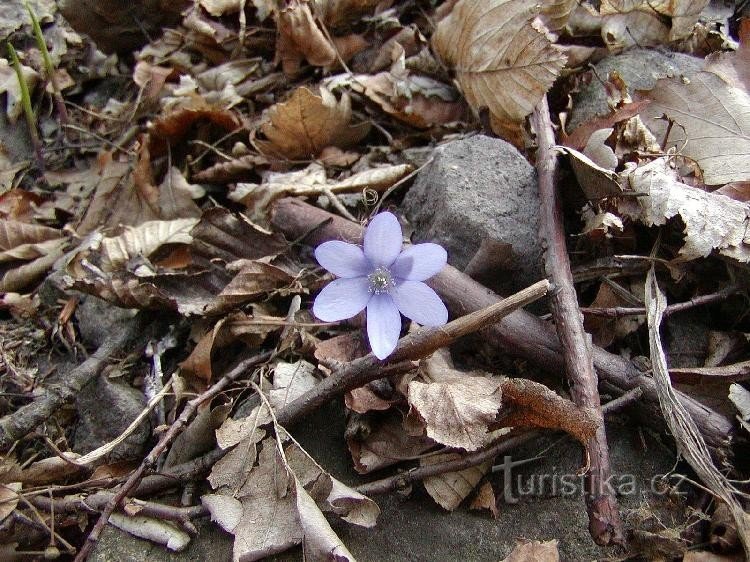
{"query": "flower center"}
(380, 281)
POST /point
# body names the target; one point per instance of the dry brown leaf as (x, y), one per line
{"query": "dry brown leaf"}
(388, 444)
(503, 57)
(176, 196)
(485, 499)
(262, 513)
(155, 530)
(311, 182)
(301, 38)
(712, 124)
(237, 169)
(9, 498)
(735, 372)
(646, 23)
(363, 400)
(116, 200)
(337, 13)
(712, 222)
(739, 191)
(170, 129)
(451, 488)
(555, 13)
(304, 125)
(604, 330)
(595, 181)
(740, 397)
(220, 7)
(457, 409)
(50, 470)
(254, 278)
(534, 551)
(142, 240)
(16, 204)
(320, 542)
(23, 241)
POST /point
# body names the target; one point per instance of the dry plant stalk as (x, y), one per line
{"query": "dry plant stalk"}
(690, 443)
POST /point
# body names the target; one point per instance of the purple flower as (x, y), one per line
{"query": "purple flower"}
(383, 278)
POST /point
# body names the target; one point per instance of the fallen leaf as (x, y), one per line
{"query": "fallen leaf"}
(9, 496)
(712, 124)
(9, 85)
(740, 397)
(155, 530)
(596, 182)
(337, 13)
(50, 470)
(451, 488)
(457, 409)
(386, 445)
(290, 381)
(27, 252)
(320, 542)
(143, 240)
(534, 551)
(503, 57)
(300, 38)
(485, 499)
(605, 330)
(712, 222)
(307, 123)
(555, 13)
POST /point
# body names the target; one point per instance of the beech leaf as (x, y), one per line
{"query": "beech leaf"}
(457, 410)
(451, 488)
(503, 57)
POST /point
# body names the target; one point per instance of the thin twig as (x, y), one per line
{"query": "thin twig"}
(174, 430)
(413, 346)
(620, 311)
(605, 525)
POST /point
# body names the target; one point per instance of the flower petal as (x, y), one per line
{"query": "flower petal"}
(420, 262)
(383, 325)
(420, 303)
(342, 299)
(342, 259)
(383, 239)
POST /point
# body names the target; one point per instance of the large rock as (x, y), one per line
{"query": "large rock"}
(639, 68)
(480, 189)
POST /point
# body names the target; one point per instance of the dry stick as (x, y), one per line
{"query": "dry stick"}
(520, 333)
(397, 481)
(413, 346)
(21, 422)
(620, 311)
(174, 430)
(605, 525)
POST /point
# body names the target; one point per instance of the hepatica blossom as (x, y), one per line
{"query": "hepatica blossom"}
(383, 278)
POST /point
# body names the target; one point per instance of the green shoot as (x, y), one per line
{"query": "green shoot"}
(26, 105)
(49, 68)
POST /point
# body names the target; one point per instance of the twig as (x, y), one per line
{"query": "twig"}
(520, 334)
(605, 525)
(14, 426)
(412, 346)
(174, 430)
(507, 444)
(620, 311)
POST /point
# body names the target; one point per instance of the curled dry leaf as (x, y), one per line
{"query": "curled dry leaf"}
(503, 57)
(301, 38)
(143, 240)
(307, 123)
(485, 499)
(740, 397)
(457, 409)
(51, 469)
(451, 488)
(388, 444)
(336, 13)
(555, 13)
(311, 182)
(712, 124)
(27, 251)
(595, 181)
(712, 222)
(155, 530)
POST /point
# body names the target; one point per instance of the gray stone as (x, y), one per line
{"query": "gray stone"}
(98, 319)
(639, 68)
(105, 409)
(477, 189)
